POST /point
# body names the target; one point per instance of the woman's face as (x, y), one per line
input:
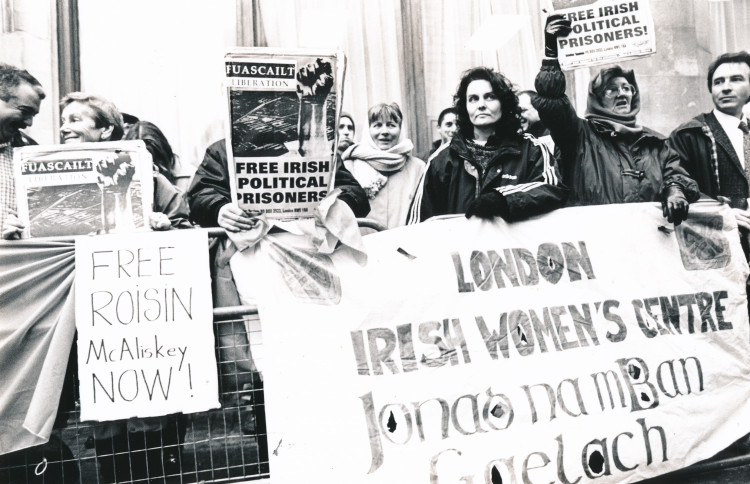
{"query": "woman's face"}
(346, 129)
(78, 125)
(618, 95)
(385, 133)
(482, 104)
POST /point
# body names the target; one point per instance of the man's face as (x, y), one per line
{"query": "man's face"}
(730, 87)
(447, 128)
(346, 129)
(529, 115)
(19, 110)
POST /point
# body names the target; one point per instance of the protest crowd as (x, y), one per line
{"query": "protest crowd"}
(504, 151)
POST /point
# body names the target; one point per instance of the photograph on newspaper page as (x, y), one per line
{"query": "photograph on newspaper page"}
(83, 189)
(283, 108)
(606, 31)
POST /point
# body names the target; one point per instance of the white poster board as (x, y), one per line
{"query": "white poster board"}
(145, 325)
(607, 31)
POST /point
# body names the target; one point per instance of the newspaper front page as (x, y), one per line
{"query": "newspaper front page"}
(83, 189)
(283, 109)
(607, 31)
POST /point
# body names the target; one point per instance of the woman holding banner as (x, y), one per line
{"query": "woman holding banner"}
(490, 168)
(608, 157)
(382, 164)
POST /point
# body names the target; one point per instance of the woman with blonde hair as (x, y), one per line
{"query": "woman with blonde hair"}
(382, 164)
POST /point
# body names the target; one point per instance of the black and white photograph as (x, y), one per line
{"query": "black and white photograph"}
(375, 241)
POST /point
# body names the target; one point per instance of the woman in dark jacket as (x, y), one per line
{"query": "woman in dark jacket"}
(490, 169)
(608, 157)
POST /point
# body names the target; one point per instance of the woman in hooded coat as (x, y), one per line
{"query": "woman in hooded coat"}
(608, 157)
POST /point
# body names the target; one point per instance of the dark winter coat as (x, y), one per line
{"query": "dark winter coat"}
(602, 165)
(522, 170)
(709, 157)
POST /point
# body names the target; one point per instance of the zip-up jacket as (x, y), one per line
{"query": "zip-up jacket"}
(522, 170)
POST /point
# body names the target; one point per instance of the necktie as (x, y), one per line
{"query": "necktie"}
(746, 146)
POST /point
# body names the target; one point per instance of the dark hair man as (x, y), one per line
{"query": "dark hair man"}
(530, 121)
(20, 97)
(715, 146)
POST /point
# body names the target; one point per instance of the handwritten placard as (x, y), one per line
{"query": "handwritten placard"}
(144, 320)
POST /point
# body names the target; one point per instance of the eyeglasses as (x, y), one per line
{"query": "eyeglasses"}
(613, 91)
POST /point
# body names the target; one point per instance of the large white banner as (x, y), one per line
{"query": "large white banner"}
(145, 325)
(589, 343)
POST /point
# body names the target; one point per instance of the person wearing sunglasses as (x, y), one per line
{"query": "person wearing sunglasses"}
(607, 157)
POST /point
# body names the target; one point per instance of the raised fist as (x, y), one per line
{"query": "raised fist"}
(115, 172)
(314, 81)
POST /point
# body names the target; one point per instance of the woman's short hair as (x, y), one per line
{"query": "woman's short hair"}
(157, 145)
(385, 111)
(105, 112)
(509, 123)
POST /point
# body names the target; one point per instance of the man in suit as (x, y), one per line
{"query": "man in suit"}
(715, 146)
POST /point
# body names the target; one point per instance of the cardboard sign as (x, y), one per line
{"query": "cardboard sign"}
(607, 31)
(590, 343)
(144, 320)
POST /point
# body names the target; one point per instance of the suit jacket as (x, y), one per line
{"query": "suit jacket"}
(708, 156)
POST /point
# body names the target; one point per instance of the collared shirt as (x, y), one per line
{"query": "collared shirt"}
(7, 183)
(731, 127)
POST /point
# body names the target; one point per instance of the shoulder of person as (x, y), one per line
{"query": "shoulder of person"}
(697, 123)
(22, 139)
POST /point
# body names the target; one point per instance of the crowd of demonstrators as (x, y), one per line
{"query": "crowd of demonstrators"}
(490, 169)
(382, 165)
(493, 159)
(607, 157)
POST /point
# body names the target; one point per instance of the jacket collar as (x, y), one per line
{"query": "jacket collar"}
(645, 133)
(505, 146)
(722, 140)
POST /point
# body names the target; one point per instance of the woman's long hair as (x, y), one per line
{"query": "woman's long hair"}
(157, 145)
(509, 124)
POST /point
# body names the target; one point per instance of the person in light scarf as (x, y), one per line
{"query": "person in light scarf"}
(382, 164)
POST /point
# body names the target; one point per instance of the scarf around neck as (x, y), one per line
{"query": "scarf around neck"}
(371, 166)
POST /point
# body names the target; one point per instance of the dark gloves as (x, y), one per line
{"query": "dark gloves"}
(675, 206)
(557, 26)
(488, 205)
